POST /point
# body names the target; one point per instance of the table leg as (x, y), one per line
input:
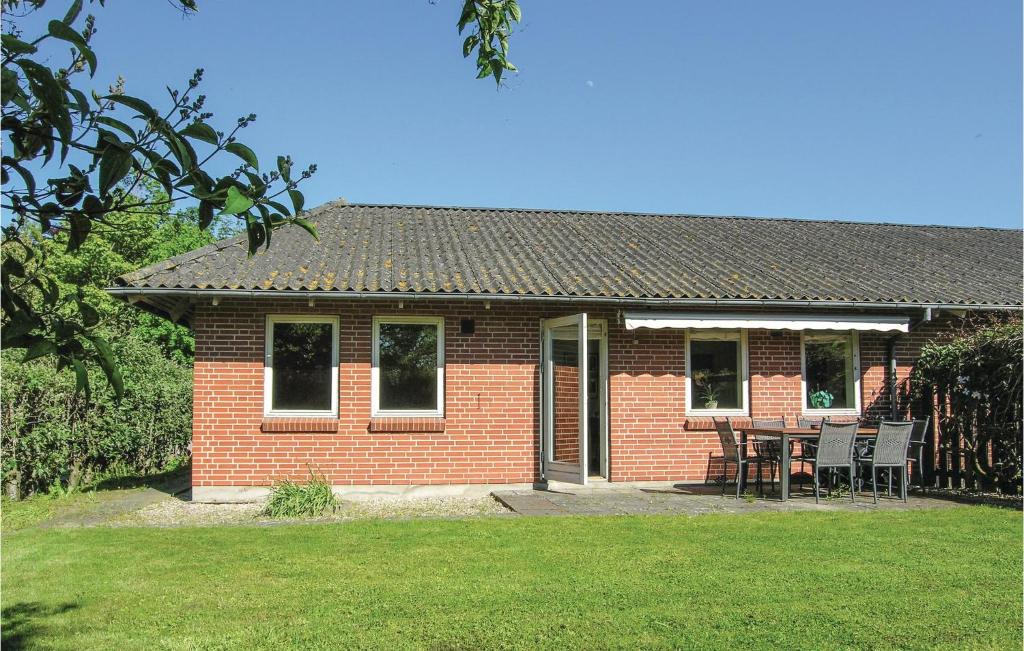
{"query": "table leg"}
(784, 468)
(743, 450)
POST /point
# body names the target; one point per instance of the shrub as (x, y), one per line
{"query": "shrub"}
(289, 499)
(53, 439)
(977, 380)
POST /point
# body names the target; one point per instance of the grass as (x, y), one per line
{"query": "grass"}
(938, 578)
(28, 512)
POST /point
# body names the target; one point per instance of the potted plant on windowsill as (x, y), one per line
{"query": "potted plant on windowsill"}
(710, 397)
(821, 399)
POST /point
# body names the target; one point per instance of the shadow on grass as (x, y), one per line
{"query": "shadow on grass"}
(171, 482)
(25, 621)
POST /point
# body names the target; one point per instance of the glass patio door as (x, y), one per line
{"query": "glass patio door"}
(564, 415)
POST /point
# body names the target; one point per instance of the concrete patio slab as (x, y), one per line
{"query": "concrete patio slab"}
(686, 499)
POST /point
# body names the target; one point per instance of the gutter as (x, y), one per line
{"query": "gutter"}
(614, 300)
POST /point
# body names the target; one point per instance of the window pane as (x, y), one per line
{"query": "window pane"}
(408, 366)
(715, 371)
(829, 374)
(302, 366)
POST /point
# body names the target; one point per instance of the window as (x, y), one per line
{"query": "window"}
(301, 367)
(408, 366)
(716, 372)
(831, 377)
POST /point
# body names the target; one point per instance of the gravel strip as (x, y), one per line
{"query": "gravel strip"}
(179, 513)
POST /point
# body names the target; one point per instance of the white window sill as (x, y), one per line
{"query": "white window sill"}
(300, 414)
(831, 412)
(407, 414)
(717, 412)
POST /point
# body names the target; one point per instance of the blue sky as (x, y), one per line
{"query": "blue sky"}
(903, 111)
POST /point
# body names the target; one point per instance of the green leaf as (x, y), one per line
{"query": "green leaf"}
(243, 152)
(279, 207)
(73, 11)
(469, 44)
(256, 233)
(90, 317)
(307, 226)
(50, 95)
(115, 163)
(468, 14)
(268, 223)
(205, 214)
(82, 101)
(160, 163)
(117, 124)
(81, 379)
(58, 29)
(200, 131)
(80, 227)
(14, 331)
(26, 176)
(39, 348)
(17, 46)
(297, 200)
(284, 166)
(8, 85)
(13, 267)
(485, 71)
(105, 356)
(513, 9)
(236, 202)
(142, 107)
(182, 151)
(49, 289)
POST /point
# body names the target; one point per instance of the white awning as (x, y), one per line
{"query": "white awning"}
(735, 321)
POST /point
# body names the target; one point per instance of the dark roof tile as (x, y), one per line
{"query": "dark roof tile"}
(369, 248)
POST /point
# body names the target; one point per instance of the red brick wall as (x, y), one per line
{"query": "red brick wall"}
(567, 415)
(491, 425)
(874, 383)
(774, 373)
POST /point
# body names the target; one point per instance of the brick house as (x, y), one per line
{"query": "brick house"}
(452, 349)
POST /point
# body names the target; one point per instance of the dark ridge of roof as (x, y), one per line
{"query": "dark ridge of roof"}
(531, 252)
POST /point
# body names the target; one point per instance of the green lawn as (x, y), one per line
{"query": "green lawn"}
(942, 578)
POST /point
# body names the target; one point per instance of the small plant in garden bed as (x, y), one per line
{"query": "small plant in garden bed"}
(289, 499)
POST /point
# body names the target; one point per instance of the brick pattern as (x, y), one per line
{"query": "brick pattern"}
(774, 373)
(875, 373)
(406, 424)
(566, 435)
(299, 425)
(489, 433)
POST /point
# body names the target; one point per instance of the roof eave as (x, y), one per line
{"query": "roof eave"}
(126, 292)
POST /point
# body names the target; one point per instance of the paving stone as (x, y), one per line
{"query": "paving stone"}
(686, 499)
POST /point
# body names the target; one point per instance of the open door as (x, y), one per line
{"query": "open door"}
(564, 414)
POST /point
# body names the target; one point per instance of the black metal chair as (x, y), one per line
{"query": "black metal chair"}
(734, 452)
(889, 451)
(918, 439)
(769, 448)
(861, 448)
(834, 451)
(806, 447)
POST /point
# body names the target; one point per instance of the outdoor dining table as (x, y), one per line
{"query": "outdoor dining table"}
(785, 435)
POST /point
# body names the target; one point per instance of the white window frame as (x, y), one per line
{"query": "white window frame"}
(853, 339)
(376, 411)
(268, 365)
(744, 370)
